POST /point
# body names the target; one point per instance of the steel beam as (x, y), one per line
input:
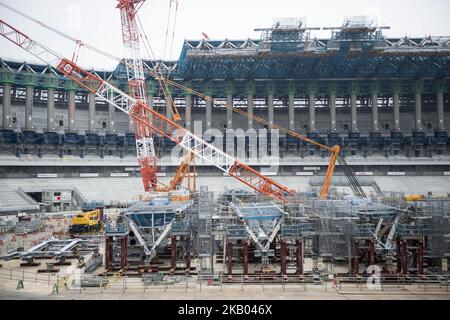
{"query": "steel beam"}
(283, 250)
(356, 257)
(299, 257)
(229, 257)
(245, 257)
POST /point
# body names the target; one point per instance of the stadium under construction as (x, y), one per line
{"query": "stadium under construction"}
(287, 159)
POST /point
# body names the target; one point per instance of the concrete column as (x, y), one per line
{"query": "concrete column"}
(396, 111)
(250, 109)
(71, 111)
(354, 113)
(29, 108)
(230, 112)
(291, 112)
(150, 103)
(375, 127)
(91, 98)
(312, 112)
(111, 118)
(209, 104)
(270, 108)
(51, 109)
(7, 122)
(332, 111)
(418, 100)
(169, 104)
(188, 112)
(440, 111)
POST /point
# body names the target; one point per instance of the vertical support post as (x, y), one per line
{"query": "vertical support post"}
(312, 112)
(188, 115)
(396, 111)
(333, 111)
(291, 103)
(356, 258)
(209, 104)
(372, 253)
(405, 257)
(375, 126)
(440, 110)
(123, 252)
(420, 254)
(299, 257)
(354, 113)
(173, 253)
(230, 111)
(108, 253)
(418, 101)
(7, 121)
(399, 256)
(230, 257)
(71, 111)
(111, 118)
(283, 257)
(245, 257)
(29, 108)
(270, 113)
(188, 255)
(51, 109)
(91, 98)
(250, 110)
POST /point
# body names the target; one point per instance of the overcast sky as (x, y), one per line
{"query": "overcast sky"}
(97, 22)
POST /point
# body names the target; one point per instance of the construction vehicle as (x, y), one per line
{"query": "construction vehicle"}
(414, 197)
(85, 222)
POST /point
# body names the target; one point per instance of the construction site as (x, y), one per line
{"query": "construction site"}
(281, 166)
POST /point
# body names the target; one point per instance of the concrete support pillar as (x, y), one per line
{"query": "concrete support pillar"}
(91, 98)
(356, 258)
(230, 111)
(71, 111)
(270, 113)
(173, 253)
(250, 110)
(51, 109)
(209, 104)
(230, 258)
(150, 103)
(440, 111)
(188, 112)
(169, 104)
(111, 118)
(375, 126)
(299, 257)
(312, 113)
(291, 111)
(7, 117)
(396, 111)
(332, 112)
(245, 257)
(404, 257)
(29, 108)
(354, 112)
(418, 101)
(283, 250)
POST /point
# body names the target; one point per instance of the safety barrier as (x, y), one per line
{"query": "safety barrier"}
(82, 283)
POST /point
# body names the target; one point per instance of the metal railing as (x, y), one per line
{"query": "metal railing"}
(83, 283)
